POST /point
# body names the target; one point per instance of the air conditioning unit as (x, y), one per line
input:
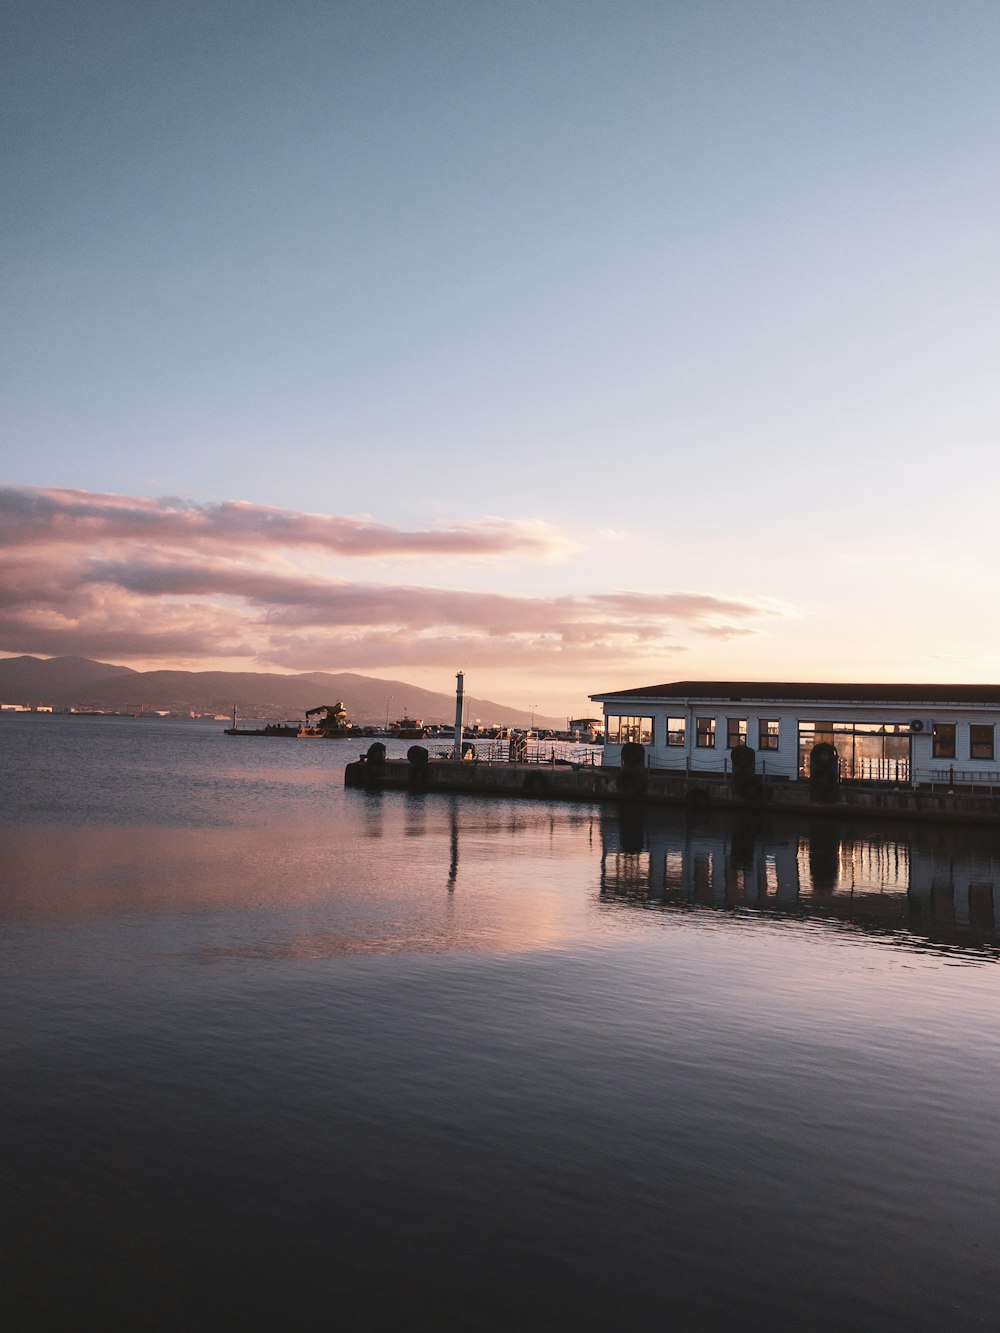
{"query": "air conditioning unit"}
(918, 724)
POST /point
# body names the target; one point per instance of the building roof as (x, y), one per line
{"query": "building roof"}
(746, 691)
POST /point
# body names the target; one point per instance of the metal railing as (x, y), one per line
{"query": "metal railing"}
(891, 772)
(894, 771)
(982, 781)
(538, 752)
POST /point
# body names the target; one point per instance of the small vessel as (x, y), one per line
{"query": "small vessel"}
(269, 729)
(332, 723)
(411, 729)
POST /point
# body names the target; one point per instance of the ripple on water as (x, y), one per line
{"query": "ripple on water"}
(284, 1050)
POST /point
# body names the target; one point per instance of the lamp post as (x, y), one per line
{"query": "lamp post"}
(459, 707)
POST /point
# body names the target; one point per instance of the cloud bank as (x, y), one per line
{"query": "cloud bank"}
(73, 518)
(160, 580)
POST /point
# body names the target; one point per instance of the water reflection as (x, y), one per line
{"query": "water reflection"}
(389, 873)
(935, 887)
(453, 830)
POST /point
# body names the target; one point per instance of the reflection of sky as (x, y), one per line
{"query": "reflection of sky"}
(392, 873)
(363, 1044)
(385, 881)
(255, 847)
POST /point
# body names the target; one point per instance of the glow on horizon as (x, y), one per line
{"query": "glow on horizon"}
(244, 587)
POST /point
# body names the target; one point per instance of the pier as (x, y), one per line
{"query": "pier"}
(568, 781)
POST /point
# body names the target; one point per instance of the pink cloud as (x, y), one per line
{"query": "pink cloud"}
(29, 517)
(113, 576)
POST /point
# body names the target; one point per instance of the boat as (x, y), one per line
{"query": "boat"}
(411, 729)
(332, 724)
(269, 729)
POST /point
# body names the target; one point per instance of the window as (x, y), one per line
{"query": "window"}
(675, 731)
(981, 742)
(866, 751)
(736, 732)
(622, 730)
(705, 733)
(944, 740)
(767, 734)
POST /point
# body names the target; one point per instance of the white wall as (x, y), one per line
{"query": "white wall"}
(783, 762)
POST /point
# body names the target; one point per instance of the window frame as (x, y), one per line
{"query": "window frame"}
(741, 733)
(631, 724)
(704, 735)
(944, 740)
(988, 747)
(676, 735)
(768, 740)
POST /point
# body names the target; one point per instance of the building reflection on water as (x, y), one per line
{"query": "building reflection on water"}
(939, 886)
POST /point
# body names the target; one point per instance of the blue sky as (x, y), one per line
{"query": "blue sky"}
(709, 292)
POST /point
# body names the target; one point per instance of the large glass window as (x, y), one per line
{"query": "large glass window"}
(705, 733)
(767, 734)
(675, 731)
(736, 732)
(981, 741)
(944, 740)
(622, 730)
(866, 751)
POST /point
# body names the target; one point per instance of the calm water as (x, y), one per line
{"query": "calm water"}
(279, 1055)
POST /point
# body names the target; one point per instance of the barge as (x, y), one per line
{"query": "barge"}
(331, 724)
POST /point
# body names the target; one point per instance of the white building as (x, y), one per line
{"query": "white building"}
(904, 734)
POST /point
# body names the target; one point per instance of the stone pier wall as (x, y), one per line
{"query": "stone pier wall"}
(544, 782)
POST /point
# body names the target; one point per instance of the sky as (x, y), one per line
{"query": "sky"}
(576, 346)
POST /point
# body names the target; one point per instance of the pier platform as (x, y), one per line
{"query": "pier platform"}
(587, 782)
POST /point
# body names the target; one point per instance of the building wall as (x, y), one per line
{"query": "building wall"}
(783, 762)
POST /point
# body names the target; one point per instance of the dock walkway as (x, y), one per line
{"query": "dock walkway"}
(589, 782)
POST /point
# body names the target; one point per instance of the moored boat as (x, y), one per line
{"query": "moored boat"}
(411, 729)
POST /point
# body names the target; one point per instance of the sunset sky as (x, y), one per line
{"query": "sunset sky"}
(573, 345)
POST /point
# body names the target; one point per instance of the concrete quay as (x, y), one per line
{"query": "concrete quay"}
(657, 787)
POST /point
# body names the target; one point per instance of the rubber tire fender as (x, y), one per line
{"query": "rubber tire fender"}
(633, 755)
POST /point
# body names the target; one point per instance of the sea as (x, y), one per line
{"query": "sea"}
(281, 1055)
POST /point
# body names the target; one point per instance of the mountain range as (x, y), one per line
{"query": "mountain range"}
(80, 682)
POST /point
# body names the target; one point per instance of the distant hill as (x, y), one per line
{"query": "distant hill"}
(23, 678)
(78, 681)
